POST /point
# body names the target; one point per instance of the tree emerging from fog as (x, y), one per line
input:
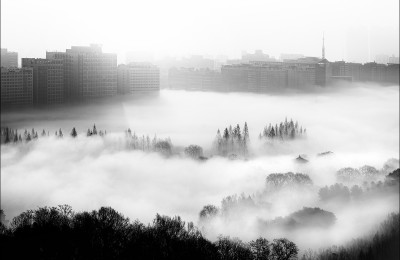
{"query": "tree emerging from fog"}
(232, 141)
(284, 131)
(289, 179)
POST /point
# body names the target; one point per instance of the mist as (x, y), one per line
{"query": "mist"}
(358, 123)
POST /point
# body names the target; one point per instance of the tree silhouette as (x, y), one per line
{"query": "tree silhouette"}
(283, 249)
(74, 133)
(260, 249)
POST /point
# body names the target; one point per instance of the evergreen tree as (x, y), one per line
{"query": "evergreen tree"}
(43, 133)
(292, 133)
(7, 139)
(238, 133)
(245, 131)
(74, 133)
(16, 137)
(60, 133)
(94, 132)
(28, 137)
(226, 134)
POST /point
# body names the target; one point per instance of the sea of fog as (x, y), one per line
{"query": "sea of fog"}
(359, 124)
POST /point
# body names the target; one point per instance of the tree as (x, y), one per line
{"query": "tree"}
(226, 134)
(15, 137)
(60, 133)
(208, 211)
(245, 132)
(163, 147)
(94, 132)
(194, 151)
(74, 133)
(7, 139)
(260, 249)
(283, 249)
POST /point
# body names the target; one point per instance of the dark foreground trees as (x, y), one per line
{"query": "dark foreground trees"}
(383, 245)
(60, 233)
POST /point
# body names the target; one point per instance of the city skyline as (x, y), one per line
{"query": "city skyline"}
(192, 29)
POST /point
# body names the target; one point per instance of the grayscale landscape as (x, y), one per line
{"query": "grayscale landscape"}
(164, 156)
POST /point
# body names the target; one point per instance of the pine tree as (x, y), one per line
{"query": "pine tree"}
(94, 132)
(89, 133)
(7, 139)
(245, 131)
(272, 133)
(74, 133)
(28, 137)
(16, 137)
(60, 133)
(226, 134)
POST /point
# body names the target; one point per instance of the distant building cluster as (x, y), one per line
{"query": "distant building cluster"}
(80, 73)
(138, 77)
(259, 72)
(265, 76)
(86, 72)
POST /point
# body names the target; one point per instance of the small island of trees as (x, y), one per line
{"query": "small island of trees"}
(284, 131)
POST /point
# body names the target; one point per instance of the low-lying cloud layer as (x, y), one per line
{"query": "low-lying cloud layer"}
(359, 124)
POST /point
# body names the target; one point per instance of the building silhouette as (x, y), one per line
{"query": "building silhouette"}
(48, 80)
(88, 72)
(138, 77)
(9, 59)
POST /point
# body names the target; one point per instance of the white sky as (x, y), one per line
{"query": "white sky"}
(355, 30)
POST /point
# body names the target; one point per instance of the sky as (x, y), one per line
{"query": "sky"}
(355, 30)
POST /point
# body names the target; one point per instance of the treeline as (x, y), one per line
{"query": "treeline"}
(304, 218)
(342, 193)
(354, 175)
(233, 141)
(9, 135)
(284, 131)
(60, 233)
(147, 144)
(383, 245)
(289, 179)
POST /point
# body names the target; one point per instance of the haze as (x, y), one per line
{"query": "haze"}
(355, 31)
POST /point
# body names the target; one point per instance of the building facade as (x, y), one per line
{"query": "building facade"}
(88, 72)
(16, 86)
(48, 80)
(138, 77)
(9, 59)
(194, 79)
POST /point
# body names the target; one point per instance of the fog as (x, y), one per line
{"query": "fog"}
(358, 123)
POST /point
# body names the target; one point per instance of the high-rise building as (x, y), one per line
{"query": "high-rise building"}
(9, 59)
(263, 78)
(195, 79)
(138, 77)
(16, 86)
(48, 80)
(88, 72)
